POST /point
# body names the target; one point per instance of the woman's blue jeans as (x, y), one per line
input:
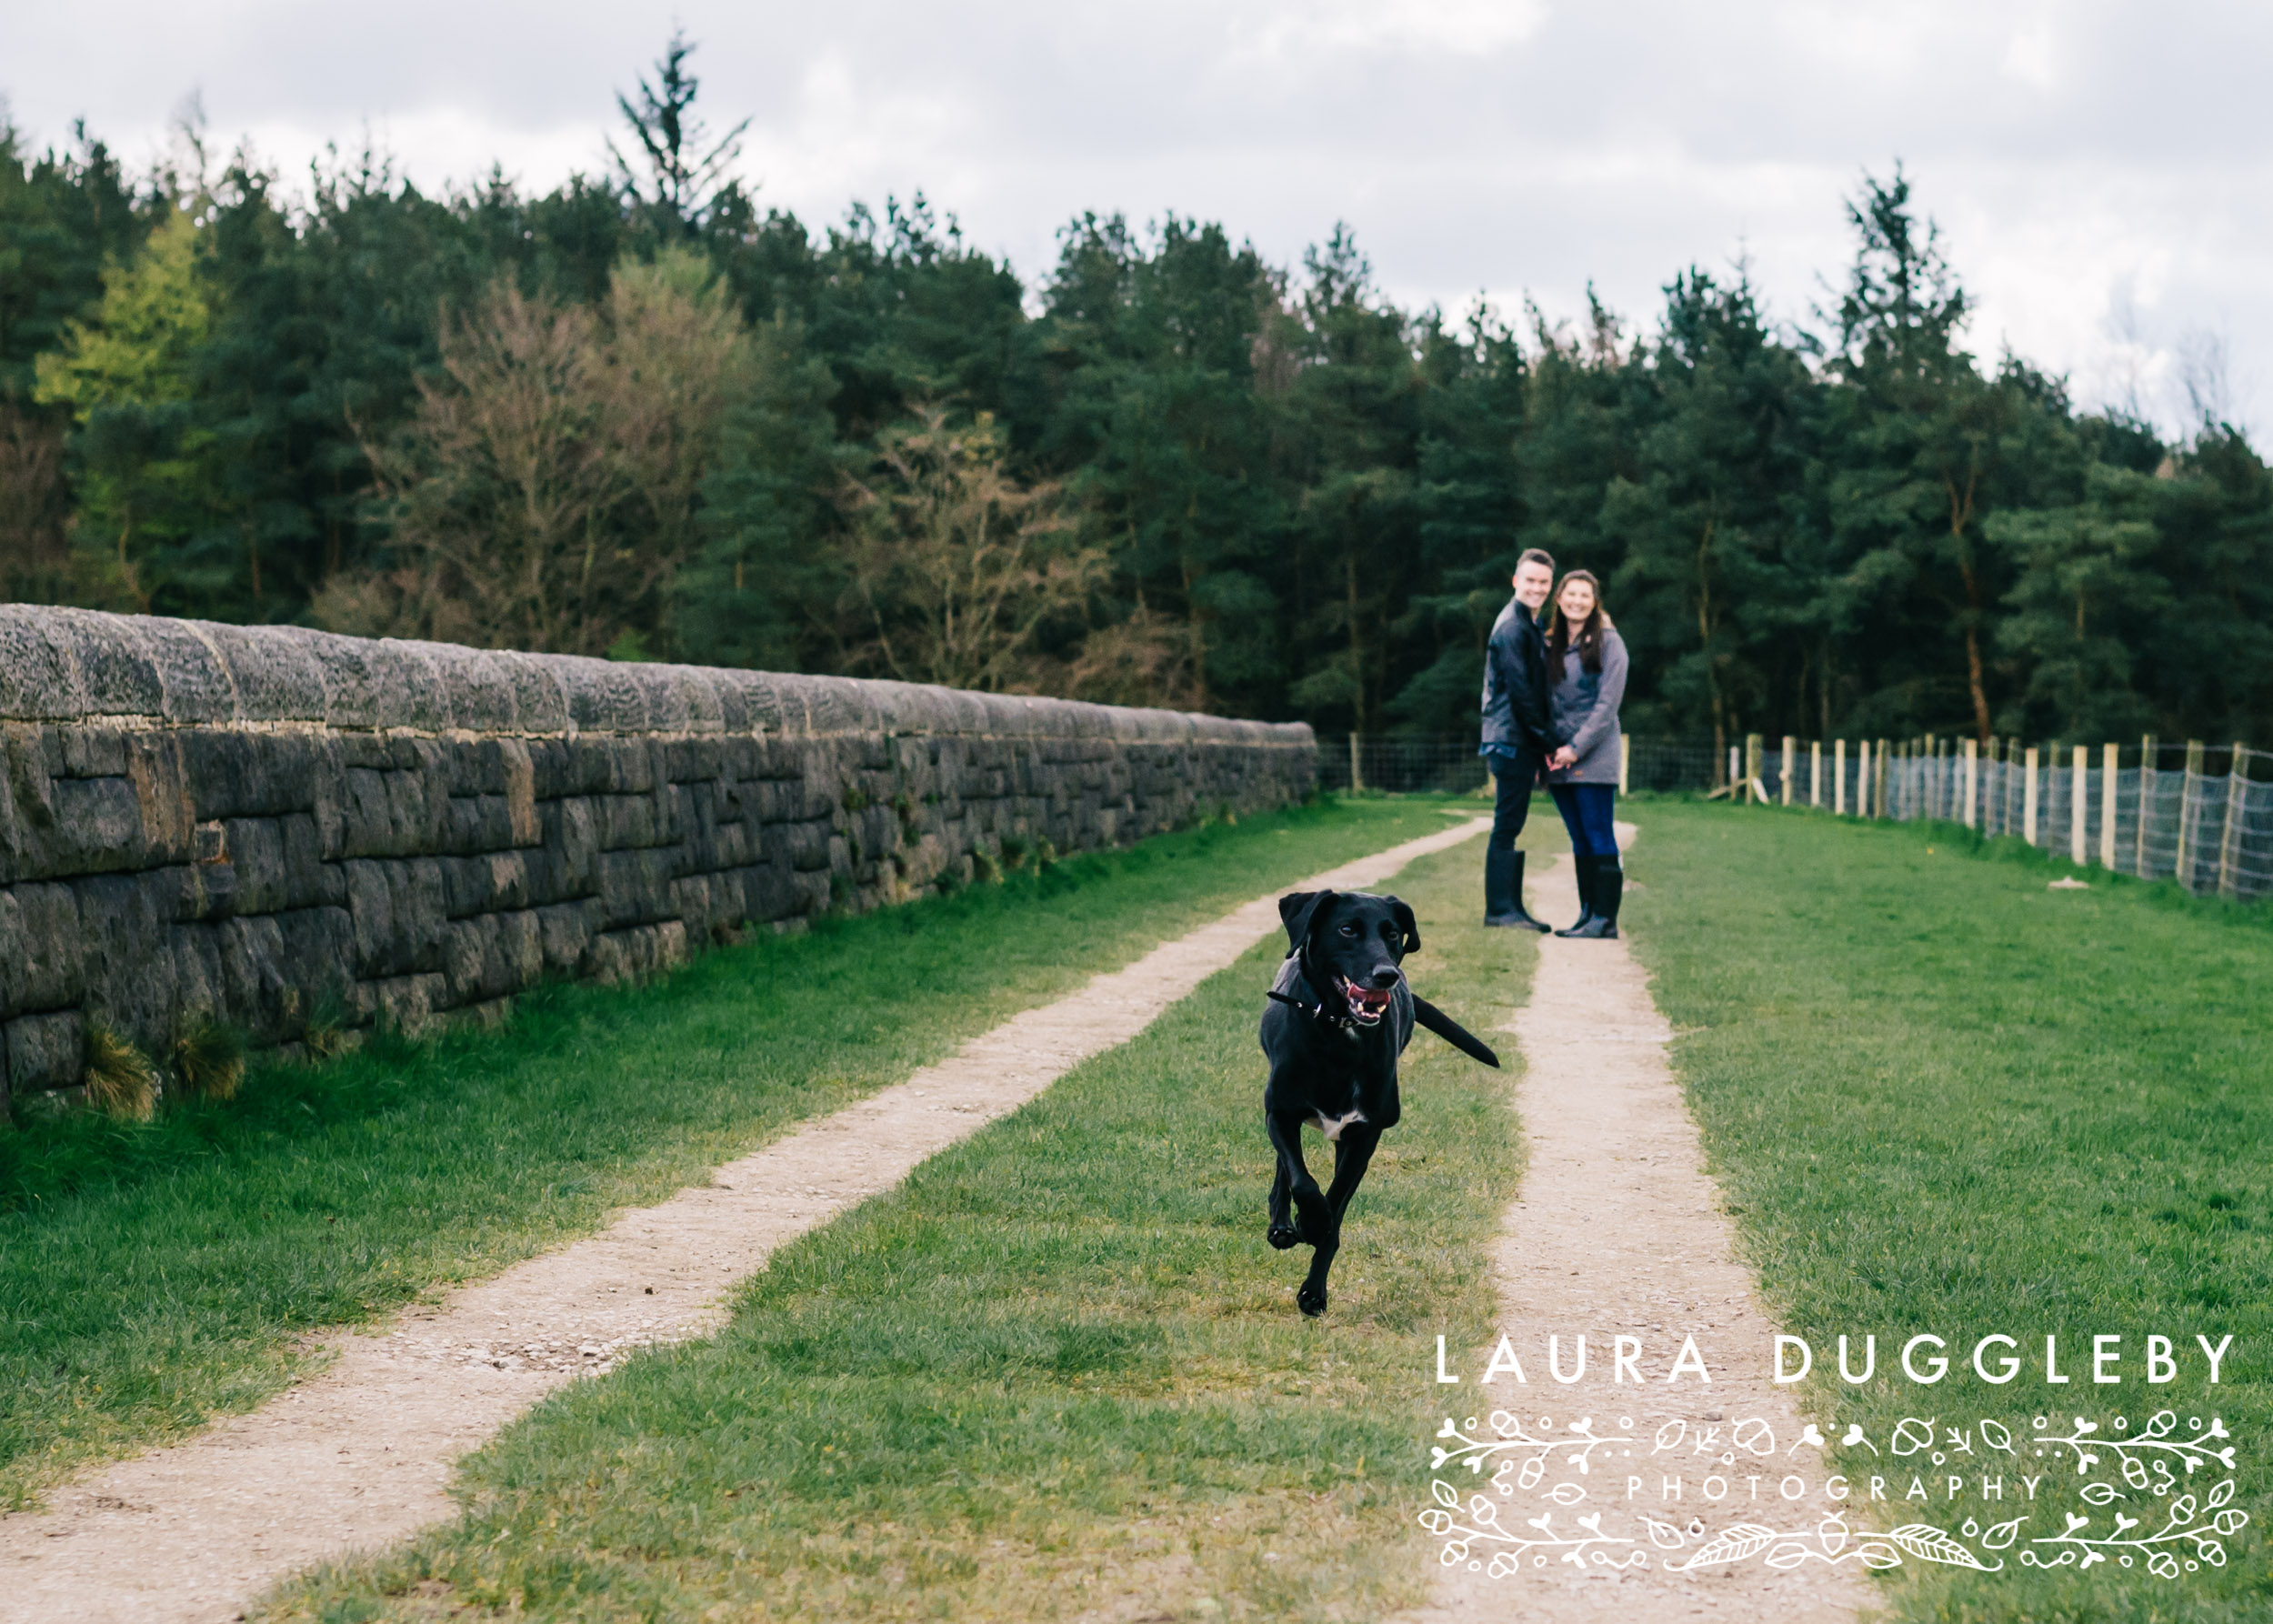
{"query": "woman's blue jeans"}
(1587, 813)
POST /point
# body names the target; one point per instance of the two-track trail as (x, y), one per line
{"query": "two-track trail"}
(1618, 1230)
(361, 1455)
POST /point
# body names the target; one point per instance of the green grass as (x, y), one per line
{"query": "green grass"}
(1055, 1373)
(1942, 1098)
(153, 1275)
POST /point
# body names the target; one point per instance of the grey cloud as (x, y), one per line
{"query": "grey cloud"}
(2069, 146)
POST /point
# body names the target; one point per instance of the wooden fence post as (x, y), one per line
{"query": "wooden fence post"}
(1357, 772)
(2012, 785)
(1784, 766)
(1838, 777)
(1972, 757)
(2229, 838)
(2108, 769)
(1993, 819)
(2078, 805)
(2146, 752)
(1878, 759)
(1753, 788)
(2029, 800)
(1625, 760)
(1862, 778)
(1815, 774)
(2189, 808)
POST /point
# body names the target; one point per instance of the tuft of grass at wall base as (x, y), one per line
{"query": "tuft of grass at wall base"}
(154, 1274)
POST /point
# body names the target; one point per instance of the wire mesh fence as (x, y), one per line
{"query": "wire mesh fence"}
(2201, 815)
(1406, 764)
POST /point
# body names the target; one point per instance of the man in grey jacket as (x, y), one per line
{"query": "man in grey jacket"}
(1518, 735)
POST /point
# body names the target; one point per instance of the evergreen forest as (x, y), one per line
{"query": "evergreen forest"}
(646, 415)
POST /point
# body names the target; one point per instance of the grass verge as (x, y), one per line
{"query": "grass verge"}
(1055, 1373)
(1943, 1098)
(152, 1275)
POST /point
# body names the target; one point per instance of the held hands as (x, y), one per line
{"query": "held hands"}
(1562, 760)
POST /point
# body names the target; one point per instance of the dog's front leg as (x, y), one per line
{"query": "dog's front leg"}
(1352, 1152)
(1282, 1234)
(1293, 1185)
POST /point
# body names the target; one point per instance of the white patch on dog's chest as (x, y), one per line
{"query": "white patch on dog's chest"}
(1331, 1126)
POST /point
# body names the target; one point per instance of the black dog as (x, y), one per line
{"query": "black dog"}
(1339, 1017)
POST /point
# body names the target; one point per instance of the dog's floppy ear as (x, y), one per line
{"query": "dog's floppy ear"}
(1408, 928)
(1298, 911)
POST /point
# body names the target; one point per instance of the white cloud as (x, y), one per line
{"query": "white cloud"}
(1461, 27)
(2029, 52)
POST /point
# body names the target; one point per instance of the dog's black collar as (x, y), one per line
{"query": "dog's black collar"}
(1315, 1011)
(1344, 1022)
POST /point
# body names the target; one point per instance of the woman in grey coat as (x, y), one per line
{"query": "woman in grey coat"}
(1585, 661)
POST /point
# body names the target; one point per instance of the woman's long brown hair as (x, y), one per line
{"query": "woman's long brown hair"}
(1589, 633)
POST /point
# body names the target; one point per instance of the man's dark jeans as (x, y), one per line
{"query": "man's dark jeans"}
(1516, 771)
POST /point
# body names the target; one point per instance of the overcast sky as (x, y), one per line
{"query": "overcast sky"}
(2100, 170)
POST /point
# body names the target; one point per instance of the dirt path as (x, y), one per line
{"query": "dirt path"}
(360, 1456)
(1619, 1232)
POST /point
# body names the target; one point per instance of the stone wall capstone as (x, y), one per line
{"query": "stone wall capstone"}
(244, 823)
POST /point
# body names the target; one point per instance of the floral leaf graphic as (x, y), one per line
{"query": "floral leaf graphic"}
(1664, 1535)
(1930, 1544)
(1745, 1540)
(2003, 1534)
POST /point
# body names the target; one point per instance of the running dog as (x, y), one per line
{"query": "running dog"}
(1340, 1015)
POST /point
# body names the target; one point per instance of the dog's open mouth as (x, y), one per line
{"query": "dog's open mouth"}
(1367, 1004)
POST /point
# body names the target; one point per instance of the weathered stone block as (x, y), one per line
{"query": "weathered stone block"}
(257, 977)
(491, 957)
(126, 925)
(319, 944)
(628, 822)
(577, 849)
(199, 983)
(410, 1002)
(399, 907)
(255, 850)
(637, 953)
(635, 887)
(45, 1051)
(564, 933)
(99, 752)
(40, 969)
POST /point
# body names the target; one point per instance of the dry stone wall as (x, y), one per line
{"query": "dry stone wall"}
(250, 823)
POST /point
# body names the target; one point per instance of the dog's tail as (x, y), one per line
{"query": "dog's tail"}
(1451, 1031)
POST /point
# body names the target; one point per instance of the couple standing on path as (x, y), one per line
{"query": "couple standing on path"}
(1551, 710)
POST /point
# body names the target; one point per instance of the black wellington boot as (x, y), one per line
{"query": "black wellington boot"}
(1609, 890)
(1582, 872)
(1503, 891)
